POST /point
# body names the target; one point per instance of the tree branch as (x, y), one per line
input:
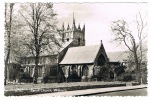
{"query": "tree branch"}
(29, 24)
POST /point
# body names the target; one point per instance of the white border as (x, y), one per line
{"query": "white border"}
(88, 98)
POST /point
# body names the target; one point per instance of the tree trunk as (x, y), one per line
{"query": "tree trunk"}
(35, 76)
(137, 67)
(7, 58)
(36, 59)
(8, 32)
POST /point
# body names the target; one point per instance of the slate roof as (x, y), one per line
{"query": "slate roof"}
(80, 55)
(118, 56)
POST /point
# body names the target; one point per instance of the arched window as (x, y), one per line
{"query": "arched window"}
(78, 41)
(73, 68)
(101, 60)
(67, 39)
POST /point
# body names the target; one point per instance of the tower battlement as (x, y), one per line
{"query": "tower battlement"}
(74, 33)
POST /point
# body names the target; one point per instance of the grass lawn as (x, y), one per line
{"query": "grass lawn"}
(27, 86)
(30, 88)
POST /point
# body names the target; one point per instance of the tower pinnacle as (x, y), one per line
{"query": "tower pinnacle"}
(79, 27)
(83, 28)
(68, 27)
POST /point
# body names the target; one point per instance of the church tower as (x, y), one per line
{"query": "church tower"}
(74, 34)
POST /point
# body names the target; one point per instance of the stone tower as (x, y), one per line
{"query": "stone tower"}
(73, 33)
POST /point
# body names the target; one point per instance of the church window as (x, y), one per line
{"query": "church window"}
(67, 39)
(53, 71)
(73, 68)
(101, 60)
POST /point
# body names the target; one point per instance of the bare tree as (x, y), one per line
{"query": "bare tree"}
(123, 34)
(41, 29)
(8, 32)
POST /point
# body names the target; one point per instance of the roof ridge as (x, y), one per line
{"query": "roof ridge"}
(85, 46)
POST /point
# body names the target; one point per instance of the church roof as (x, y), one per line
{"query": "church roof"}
(118, 56)
(80, 55)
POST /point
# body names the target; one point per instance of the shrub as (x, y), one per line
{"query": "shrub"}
(127, 78)
(103, 75)
(24, 77)
(60, 78)
(74, 77)
(51, 79)
(45, 79)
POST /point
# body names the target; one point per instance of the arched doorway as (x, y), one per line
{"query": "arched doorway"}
(74, 75)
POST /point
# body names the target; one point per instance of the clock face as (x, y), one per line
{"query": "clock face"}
(101, 60)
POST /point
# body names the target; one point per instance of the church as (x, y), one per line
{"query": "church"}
(74, 61)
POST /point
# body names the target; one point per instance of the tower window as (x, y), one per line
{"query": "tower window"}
(67, 39)
(78, 41)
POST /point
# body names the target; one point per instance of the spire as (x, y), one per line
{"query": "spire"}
(73, 19)
(63, 26)
(73, 26)
(79, 27)
(68, 27)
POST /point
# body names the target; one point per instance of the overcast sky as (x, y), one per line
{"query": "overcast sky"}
(97, 18)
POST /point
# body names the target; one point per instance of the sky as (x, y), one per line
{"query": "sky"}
(97, 18)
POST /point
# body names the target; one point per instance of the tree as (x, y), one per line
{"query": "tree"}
(8, 32)
(14, 29)
(124, 34)
(103, 74)
(41, 31)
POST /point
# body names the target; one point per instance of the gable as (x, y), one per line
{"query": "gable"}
(101, 52)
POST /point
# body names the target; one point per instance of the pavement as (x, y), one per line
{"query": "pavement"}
(91, 91)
